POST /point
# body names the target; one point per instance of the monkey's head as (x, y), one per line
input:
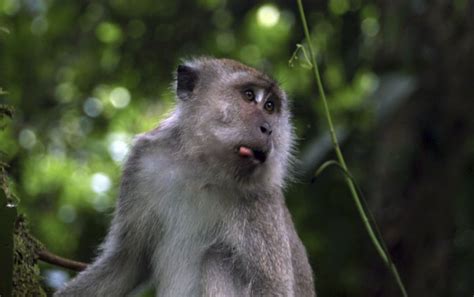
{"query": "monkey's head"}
(235, 120)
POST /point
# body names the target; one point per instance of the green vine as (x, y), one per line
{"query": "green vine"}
(341, 163)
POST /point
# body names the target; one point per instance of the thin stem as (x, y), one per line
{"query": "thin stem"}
(51, 258)
(376, 242)
(48, 257)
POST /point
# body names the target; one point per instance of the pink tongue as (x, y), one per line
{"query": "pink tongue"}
(245, 152)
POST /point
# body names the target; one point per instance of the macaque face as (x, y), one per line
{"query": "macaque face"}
(240, 118)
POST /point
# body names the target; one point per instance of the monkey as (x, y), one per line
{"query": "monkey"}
(201, 210)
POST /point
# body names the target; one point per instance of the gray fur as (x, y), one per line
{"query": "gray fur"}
(193, 217)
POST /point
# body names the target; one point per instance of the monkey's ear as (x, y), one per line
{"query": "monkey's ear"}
(186, 78)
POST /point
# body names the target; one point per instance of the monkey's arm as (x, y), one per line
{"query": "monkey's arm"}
(123, 261)
(116, 272)
(304, 286)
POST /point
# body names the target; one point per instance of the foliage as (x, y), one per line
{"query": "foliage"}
(356, 193)
(85, 76)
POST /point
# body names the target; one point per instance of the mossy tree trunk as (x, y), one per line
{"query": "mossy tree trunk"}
(7, 220)
(19, 272)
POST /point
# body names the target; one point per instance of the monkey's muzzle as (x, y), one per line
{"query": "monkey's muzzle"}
(251, 153)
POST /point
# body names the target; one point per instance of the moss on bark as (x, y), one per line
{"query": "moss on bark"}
(26, 273)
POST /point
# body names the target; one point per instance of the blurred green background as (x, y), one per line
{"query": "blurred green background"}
(86, 76)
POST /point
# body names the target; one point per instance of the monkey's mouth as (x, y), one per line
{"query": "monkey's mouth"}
(252, 153)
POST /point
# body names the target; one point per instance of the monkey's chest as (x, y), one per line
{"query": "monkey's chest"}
(191, 228)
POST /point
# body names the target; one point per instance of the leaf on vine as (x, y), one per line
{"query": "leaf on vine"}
(305, 63)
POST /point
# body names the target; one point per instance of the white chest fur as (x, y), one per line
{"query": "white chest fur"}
(190, 219)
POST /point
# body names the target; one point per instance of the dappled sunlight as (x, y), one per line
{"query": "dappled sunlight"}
(86, 77)
(268, 15)
(119, 97)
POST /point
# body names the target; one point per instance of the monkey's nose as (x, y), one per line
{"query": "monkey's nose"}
(266, 129)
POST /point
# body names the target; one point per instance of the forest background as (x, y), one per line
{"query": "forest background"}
(84, 77)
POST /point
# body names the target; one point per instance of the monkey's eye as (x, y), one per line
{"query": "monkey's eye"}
(249, 95)
(269, 106)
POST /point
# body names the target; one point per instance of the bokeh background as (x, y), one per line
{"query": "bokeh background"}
(86, 76)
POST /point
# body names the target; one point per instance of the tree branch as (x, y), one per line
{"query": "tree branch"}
(53, 259)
